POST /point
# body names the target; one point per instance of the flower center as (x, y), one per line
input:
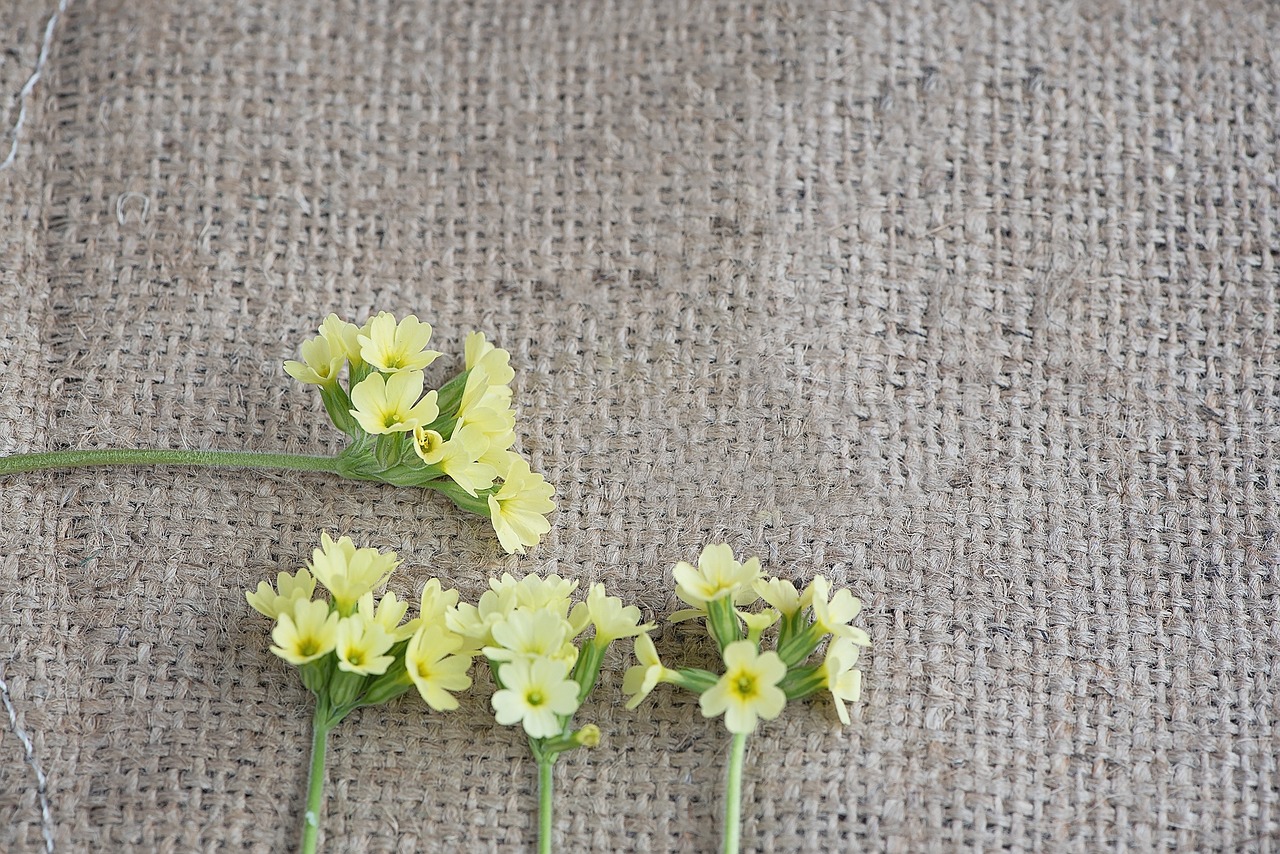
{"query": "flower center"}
(308, 646)
(535, 698)
(746, 685)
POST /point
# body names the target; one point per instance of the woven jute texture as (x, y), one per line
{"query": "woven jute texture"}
(971, 307)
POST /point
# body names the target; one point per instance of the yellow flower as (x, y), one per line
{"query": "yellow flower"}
(532, 634)
(388, 614)
(640, 680)
(717, 575)
(458, 457)
(486, 402)
(757, 622)
(362, 646)
(517, 508)
(840, 677)
(434, 604)
(391, 405)
(434, 669)
(537, 692)
(833, 616)
(748, 690)
(390, 347)
(320, 362)
(779, 593)
(607, 613)
(476, 622)
(292, 587)
(309, 632)
(343, 337)
(349, 572)
(494, 360)
(535, 592)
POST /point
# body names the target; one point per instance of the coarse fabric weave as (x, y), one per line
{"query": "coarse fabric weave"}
(971, 307)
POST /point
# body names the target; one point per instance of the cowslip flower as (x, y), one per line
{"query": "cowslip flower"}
(640, 680)
(717, 576)
(833, 615)
(435, 668)
(362, 645)
(518, 508)
(538, 691)
(459, 457)
(292, 586)
(393, 347)
(532, 634)
(392, 405)
(320, 363)
(611, 619)
(388, 613)
(349, 572)
(496, 362)
(307, 633)
(779, 593)
(748, 690)
(840, 677)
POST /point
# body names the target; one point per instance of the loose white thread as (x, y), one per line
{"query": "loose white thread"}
(42, 783)
(24, 96)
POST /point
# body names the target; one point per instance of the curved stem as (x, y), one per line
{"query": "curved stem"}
(733, 796)
(315, 780)
(546, 822)
(133, 457)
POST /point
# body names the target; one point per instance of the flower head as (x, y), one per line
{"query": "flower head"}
(779, 593)
(532, 634)
(459, 457)
(748, 690)
(840, 677)
(475, 622)
(517, 508)
(320, 363)
(611, 619)
(393, 347)
(536, 592)
(494, 360)
(267, 602)
(388, 613)
(349, 572)
(391, 405)
(538, 691)
(640, 680)
(362, 645)
(717, 575)
(307, 632)
(433, 667)
(343, 337)
(833, 615)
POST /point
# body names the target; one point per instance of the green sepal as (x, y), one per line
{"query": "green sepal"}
(345, 687)
(722, 621)
(315, 674)
(586, 670)
(803, 681)
(800, 645)
(478, 503)
(338, 404)
(389, 449)
(449, 398)
(389, 685)
(694, 679)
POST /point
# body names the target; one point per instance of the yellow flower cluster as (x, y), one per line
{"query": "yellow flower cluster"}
(355, 649)
(527, 629)
(456, 439)
(758, 683)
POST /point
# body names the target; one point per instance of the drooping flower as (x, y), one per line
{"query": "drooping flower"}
(640, 680)
(393, 347)
(391, 405)
(435, 670)
(748, 690)
(832, 616)
(537, 692)
(459, 457)
(840, 676)
(320, 364)
(308, 632)
(517, 508)
(269, 603)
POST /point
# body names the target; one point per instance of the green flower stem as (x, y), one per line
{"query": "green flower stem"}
(315, 781)
(546, 795)
(733, 796)
(136, 457)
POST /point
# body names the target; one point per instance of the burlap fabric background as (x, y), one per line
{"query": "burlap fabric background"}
(972, 308)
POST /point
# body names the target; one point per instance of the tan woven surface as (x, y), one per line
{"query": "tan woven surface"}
(971, 307)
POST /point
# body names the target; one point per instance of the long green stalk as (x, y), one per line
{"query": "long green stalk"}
(546, 800)
(733, 796)
(315, 780)
(131, 457)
